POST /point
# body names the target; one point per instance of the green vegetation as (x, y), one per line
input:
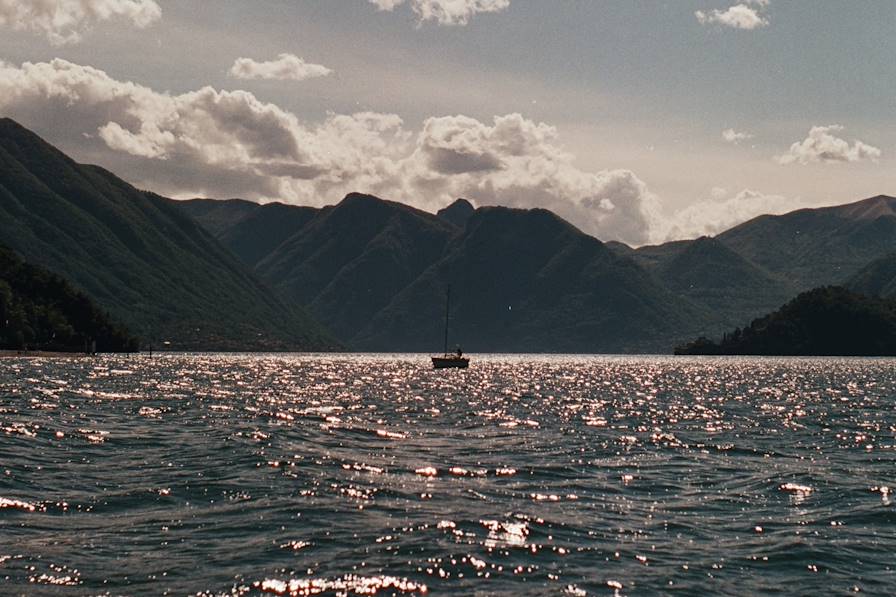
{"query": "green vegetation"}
(375, 271)
(42, 311)
(826, 321)
(710, 274)
(817, 247)
(138, 255)
(878, 278)
(528, 281)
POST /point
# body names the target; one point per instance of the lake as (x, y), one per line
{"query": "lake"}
(353, 474)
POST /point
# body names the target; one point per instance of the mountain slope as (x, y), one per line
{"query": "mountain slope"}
(878, 278)
(526, 280)
(710, 274)
(136, 254)
(40, 310)
(816, 247)
(824, 321)
(351, 259)
(218, 216)
(250, 230)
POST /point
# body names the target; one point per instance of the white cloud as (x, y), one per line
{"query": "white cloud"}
(285, 67)
(746, 15)
(446, 12)
(733, 136)
(230, 143)
(712, 216)
(64, 21)
(823, 146)
(516, 162)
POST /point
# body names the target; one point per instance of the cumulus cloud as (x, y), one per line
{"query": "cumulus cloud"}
(722, 211)
(517, 162)
(285, 67)
(733, 136)
(230, 143)
(211, 142)
(446, 12)
(746, 15)
(822, 145)
(64, 21)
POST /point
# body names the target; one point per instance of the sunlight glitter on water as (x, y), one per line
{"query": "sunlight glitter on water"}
(354, 474)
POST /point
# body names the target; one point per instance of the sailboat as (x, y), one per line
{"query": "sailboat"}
(455, 360)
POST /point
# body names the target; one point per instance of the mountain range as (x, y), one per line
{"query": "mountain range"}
(829, 320)
(138, 255)
(375, 272)
(371, 274)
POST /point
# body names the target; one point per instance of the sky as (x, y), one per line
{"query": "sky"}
(638, 121)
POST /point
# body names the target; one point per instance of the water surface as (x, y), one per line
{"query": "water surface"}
(355, 474)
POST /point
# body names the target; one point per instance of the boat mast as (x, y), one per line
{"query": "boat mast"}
(447, 303)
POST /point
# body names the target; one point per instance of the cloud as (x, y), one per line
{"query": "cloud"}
(285, 67)
(746, 15)
(229, 143)
(733, 136)
(517, 162)
(64, 21)
(721, 212)
(446, 12)
(823, 146)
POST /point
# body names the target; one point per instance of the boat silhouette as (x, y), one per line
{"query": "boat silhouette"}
(453, 360)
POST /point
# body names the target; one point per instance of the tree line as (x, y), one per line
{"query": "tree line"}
(40, 310)
(830, 320)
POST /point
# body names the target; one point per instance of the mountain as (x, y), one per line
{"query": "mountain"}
(250, 230)
(375, 273)
(457, 213)
(710, 274)
(42, 311)
(137, 254)
(825, 321)
(526, 280)
(817, 247)
(351, 259)
(754, 267)
(878, 278)
(218, 216)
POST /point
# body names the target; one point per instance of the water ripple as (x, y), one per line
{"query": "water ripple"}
(363, 474)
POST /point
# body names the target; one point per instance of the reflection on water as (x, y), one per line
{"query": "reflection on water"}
(361, 475)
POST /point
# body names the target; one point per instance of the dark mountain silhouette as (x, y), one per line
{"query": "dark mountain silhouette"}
(526, 280)
(818, 247)
(375, 272)
(42, 311)
(376, 297)
(457, 213)
(878, 278)
(712, 275)
(825, 321)
(754, 267)
(218, 216)
(351, 260)
(137, 254)
(254, 233)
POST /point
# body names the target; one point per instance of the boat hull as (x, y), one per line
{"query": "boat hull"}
(450, 362)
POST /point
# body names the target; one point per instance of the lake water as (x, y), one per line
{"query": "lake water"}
(352, 474)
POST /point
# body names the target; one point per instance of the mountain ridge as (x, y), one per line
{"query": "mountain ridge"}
(707, 277)
(137, 254)
(235, 273)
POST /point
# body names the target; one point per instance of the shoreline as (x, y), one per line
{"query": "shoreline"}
(21, 354)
